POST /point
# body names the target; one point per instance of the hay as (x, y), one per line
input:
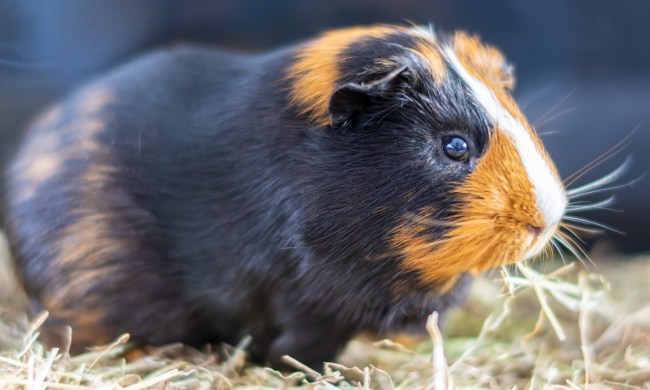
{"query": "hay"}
(563, 329)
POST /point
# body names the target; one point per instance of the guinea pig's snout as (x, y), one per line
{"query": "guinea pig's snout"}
(540, 233)
(550, 210)
(543, 223)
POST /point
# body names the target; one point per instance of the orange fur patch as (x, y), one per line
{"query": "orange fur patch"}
(48, 154)
(490, 228)
(83, 248)
(86, 243)
(315, 74)
(486, 63)
(430, 52)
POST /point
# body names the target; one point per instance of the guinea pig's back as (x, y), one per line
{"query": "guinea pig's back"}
(114, 189)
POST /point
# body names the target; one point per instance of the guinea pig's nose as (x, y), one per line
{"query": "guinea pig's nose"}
(535, 229)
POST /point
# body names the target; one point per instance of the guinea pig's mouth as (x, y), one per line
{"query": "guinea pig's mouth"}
(568, 233)
(476, 241)
(541, 239)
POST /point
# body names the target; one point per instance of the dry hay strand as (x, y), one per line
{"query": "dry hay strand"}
(578, 338)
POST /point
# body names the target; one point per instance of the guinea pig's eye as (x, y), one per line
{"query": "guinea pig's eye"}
(456, 148)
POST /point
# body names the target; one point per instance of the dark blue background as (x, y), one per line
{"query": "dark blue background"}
(591, 58)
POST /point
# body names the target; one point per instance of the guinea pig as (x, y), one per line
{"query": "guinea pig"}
(353, 182)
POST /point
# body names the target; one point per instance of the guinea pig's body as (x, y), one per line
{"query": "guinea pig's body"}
(298, 196)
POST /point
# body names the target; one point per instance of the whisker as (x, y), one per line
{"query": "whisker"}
(577, 246)
(554, 117)
(589, 222)
(574, 248)
(580, 210)
(605, 180)
(549, 251)
(558, 249)
(548, 132)
(574, 234)
(597, 208)
(530, 98)
(582, 228)
(592, 206)
(544, 258)
(605, 189)
(561, 241)
(609, 153)
(545, 255)
(556, 105)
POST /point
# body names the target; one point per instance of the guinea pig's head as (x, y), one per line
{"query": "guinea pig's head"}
(426, 156)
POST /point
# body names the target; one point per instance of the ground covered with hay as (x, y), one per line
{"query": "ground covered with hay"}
(561, 327)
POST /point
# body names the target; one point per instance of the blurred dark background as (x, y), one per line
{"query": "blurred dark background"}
(583, 66)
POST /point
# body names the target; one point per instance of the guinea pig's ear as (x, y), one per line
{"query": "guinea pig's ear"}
(346, 102)
(485, 59)
(351, 100)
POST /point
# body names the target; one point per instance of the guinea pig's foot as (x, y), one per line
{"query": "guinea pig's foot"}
(311, 344)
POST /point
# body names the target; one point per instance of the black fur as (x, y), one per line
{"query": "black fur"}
(237, 216)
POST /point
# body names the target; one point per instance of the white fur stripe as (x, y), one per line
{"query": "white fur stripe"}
(549, 192)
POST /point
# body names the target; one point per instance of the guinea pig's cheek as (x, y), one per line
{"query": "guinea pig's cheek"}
(522, 228)
(498, 208)
(488, 225)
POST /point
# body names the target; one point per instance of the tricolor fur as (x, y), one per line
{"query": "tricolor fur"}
(295, 196)
(511, 202)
